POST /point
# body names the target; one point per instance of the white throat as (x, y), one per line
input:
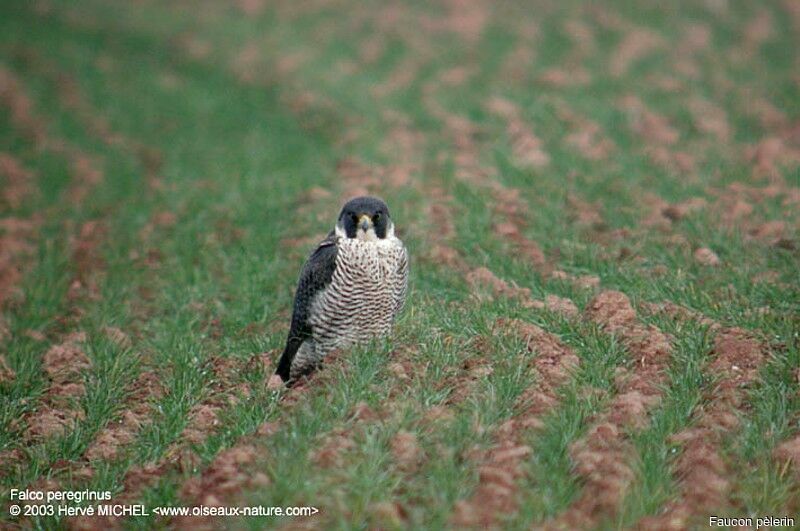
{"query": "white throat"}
(368, 235)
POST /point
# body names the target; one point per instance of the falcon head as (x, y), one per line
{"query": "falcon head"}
(365, 218)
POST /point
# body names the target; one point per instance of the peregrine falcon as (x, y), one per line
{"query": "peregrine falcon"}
(350, 290)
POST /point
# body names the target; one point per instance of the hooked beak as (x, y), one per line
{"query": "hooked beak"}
(365, 222)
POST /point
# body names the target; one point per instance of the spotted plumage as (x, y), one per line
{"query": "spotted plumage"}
(350, 290)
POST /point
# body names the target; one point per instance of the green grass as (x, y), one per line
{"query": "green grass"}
(226, 120)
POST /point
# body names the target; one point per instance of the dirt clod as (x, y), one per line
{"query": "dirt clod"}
(406, 450)
(707, 257)
(789, 451)
(482, 279)
(6, 373)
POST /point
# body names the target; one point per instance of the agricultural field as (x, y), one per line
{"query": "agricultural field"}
(602, 206)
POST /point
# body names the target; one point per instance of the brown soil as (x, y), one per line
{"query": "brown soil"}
(789, 452)
(485, 283)
(501, 466)
(566, 77)
(20, 106)
(118, 336)
(465, 18)
(404, 143)
(387, 515)
(526, 248)
(64, 360)
(203, 417)
(589, 282)
(603, 455)
(117, 434)
(202, 422)
(706, 257)
(406, 451)
(769, 156)
(64, 365)
(469, 168)
(583, 212)
(771, 232)
(526, 148)
(400, 78)
(499, 469)
(658, 134)
(7, 374)
(86, 175)
(679, 211)
(439, 212)
(16, 250)
(701, 470)
(738, 358)
(371, 49)
(509, 207)
(251, 8)
(635, 45)
(333, 445)
(358, 178)
(735, 208)
(710, 119)
(553, 360)
(86, 250)
(680, 313)
(87, 172)
(648, 347)
(561, 305)
(514, 67)
(16, 179)
(652, 126)
(589, 139)
(50, 422)
(460, 381)
(231, 471)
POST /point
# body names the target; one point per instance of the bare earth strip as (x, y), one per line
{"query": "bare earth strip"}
(63, 363)
(500, 467)
(72, 98)
(17, 235)
(201, 423)
(701, 469)
(603, 456)
(528, 150)
(231, 470)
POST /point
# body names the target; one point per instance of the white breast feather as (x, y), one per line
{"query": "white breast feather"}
(365, 295)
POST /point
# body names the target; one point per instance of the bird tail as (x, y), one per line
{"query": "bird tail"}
(285, 364)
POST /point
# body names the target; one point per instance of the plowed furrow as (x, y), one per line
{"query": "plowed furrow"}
(603, 457)
(500, 467)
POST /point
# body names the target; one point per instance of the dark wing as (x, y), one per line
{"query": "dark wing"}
(315, 276)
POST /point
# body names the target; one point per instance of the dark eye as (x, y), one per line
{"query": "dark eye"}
(376, 217)
(354, 218)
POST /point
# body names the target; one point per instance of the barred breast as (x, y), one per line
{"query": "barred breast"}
(366, 293)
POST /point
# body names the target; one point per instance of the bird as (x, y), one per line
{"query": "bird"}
(351, 289)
